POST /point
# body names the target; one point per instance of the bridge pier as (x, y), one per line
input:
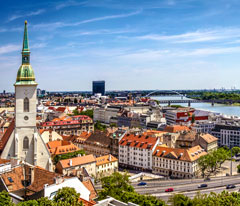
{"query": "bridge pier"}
(189, 103)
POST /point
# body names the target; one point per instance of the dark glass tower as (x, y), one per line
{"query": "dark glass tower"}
(98, 87)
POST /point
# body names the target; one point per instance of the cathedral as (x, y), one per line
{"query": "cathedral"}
(24, 141)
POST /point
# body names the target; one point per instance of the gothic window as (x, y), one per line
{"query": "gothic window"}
(26, 105)
(25, 143)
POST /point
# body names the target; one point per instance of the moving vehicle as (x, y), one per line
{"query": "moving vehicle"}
(142, 183)
(230, 186)
(202, 185)
(169, 190)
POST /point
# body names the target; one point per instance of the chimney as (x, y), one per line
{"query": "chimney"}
(70, 162)
(110, 158)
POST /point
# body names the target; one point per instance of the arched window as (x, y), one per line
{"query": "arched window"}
(25, 143)
(26, 105)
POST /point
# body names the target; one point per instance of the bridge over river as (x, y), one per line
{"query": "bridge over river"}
(189, 101)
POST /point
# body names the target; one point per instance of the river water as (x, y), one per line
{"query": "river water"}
(218, 108)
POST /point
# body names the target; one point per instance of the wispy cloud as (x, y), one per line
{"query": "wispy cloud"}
(9, 48)
(101, 32)
(68, 3)
(55, 25)
(23, 14)
(197, 36)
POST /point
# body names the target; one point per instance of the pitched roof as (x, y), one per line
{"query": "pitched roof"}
(99, 137)
(188, 155)
(61, 147)
(209, 138)
(42, 177)
(6, 135)
(176, 128)
(89, 185)
(77, 161)
(105, 159)
(13, 179)
(138, 141)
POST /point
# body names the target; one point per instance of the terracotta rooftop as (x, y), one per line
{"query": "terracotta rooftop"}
(89, 185)
(99, 137)
(176, 128)
(77, 161)
(209, 138)
(188, 155)
(105, 159)
(6, 135)
(13, 179)
(138, 141)
(61, 147)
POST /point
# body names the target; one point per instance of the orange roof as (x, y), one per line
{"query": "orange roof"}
(176, 128)
(13, 179)
(87, 203)
(61, 147)
(139, 141)
(189, 155)
(77, 161)
(209, 138)
(105, 159)
(89, 185)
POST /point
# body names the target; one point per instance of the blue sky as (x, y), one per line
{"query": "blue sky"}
(131, 44)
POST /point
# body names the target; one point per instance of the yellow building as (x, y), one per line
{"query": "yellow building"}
(106, 165)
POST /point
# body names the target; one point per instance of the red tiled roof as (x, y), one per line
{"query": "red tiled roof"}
(6, 135)
(176, 128)
(105, 159)
(77, 161)
(89, 185)
(139, 141)
(61, 147)
(189, 155)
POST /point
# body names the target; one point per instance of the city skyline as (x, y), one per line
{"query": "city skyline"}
(130, 44)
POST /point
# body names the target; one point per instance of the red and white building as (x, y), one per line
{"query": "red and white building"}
(135, 151)
(67, 125)
(185, 116)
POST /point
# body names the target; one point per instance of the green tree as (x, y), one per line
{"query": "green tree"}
(193, 118)
(180, 200)
(44, 201)
(5, 199)
(118, 186)
(99, 126)
(29, 203)
(235, 151)
(67, 196)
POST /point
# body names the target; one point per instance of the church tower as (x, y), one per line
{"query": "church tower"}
(25, 143)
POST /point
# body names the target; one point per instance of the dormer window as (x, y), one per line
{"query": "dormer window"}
(26, 105)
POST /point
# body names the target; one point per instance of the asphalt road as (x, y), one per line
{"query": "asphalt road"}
(189, 188)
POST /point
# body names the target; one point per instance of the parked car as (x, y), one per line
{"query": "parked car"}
(142, 183)
(202, 185)
(230, 186)
(169, 190)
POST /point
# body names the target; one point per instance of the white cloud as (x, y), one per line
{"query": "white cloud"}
(55, 25)
(68, 3)
(197, 36)
(23, 14)
(9, 48)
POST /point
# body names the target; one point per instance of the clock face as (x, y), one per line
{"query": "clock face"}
(26, 118)
(25, 58)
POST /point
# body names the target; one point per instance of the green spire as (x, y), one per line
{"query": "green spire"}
(25, 75)
(25, 39)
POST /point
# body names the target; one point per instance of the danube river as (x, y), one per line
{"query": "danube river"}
(218, 108)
